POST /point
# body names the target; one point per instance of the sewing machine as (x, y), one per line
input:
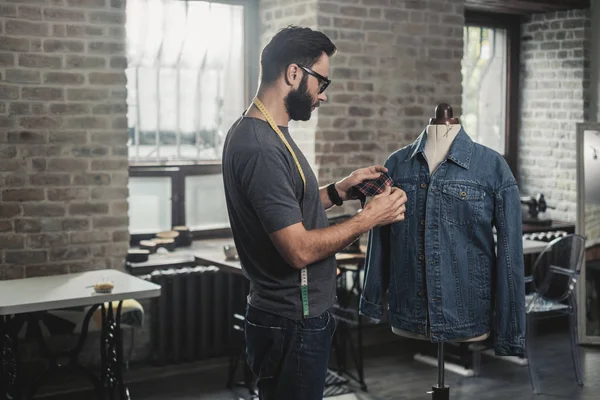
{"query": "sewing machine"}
(536, 205)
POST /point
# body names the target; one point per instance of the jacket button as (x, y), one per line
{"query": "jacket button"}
(423, 185)
(463, 194)
(420, 293)
(421, 257)
(422, 222)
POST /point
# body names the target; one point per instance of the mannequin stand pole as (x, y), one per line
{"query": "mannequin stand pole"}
(441, 391)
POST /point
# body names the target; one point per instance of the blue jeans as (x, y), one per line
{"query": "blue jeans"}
(289, 358)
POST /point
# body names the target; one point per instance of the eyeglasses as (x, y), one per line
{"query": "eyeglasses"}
(323, 82)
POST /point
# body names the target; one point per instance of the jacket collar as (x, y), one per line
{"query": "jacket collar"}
(460, 150)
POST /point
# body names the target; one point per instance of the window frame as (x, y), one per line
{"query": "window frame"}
(178, 171)
(512, 24)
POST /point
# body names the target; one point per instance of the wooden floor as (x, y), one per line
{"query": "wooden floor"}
(391, 373)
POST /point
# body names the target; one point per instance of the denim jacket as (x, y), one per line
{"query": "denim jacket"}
(439, 268)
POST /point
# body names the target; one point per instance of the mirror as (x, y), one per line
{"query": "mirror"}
(588, 225)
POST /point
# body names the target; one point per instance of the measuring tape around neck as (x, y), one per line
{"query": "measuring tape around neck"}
(303, 271)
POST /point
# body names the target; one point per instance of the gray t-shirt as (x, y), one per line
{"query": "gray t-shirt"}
(264, 190)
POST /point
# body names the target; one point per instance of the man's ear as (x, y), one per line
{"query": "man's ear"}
(292, 75)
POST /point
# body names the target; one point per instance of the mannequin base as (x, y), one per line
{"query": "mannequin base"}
(438, 393)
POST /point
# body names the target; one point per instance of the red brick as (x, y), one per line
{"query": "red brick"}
(30, 12)
(88, 208)
(41, 122)
(7, 60)
(107, 17)
(14, 44)
(32, 271)
(110, 165)
(69, 253)
(39, 61)
(23, 195)
(9, 92)
(85, 62)
(76, 224)
(26, 137)
(66, 78)
(44, 210)
(87, 94)
(6, 226)
(50, 180)
(106, 47)
(110, 193)
(8, 10)
(69, 108)
(90, 237)
(68, 194)
(84, 31)
(47, 240)
(42, 93)
(90, 151)
(10, 210)
(11, 166)
(27, 225)
(118, 62)
(25, 28)
(110, 222)
(67, 164)
(63, 46)
(87, 3)
(24, 257)
(70, 137)
(7, 122)
(97, 179)
(107, 78)
(20, 108)
(87, 123)
(121, 236)
(61, 14)
(12, 241)
(39, 164)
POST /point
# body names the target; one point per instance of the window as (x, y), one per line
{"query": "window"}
(187, 81)
(490, 82)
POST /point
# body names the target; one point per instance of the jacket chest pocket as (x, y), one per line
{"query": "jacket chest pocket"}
(462, 204)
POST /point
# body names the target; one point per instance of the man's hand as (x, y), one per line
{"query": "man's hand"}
(387, 207)
(356, 177)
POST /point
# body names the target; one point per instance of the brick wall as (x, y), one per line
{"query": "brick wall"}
(63, 164)
(595, 61)
(275, 15)
(396, 61)
(554, 97)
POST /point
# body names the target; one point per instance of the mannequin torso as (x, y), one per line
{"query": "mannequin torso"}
(439, 138)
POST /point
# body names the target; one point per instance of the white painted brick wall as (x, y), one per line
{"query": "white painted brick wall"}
(555, 96)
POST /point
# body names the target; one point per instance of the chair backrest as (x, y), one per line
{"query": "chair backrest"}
(556, 269)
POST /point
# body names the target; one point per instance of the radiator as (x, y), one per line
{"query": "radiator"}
(192, 319)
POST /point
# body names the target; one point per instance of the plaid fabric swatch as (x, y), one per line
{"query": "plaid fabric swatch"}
(370, 188)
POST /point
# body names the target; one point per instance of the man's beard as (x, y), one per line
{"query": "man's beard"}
(299, 102)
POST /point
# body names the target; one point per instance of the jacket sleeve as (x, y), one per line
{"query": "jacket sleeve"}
(376, 273)
(509, 304)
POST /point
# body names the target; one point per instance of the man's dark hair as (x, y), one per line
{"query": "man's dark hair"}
(293, 45)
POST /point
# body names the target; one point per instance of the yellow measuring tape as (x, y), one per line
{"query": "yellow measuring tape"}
(303, 272)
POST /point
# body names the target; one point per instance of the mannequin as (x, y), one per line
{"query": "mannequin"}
(441, 131)
(452, 271)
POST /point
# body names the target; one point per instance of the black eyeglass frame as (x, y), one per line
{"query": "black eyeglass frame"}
(324, 82)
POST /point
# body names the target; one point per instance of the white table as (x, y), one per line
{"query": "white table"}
(25, 300)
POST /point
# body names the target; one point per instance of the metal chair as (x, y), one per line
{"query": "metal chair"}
(554, 277)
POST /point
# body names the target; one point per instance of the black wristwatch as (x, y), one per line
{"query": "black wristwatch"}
(334, 196)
